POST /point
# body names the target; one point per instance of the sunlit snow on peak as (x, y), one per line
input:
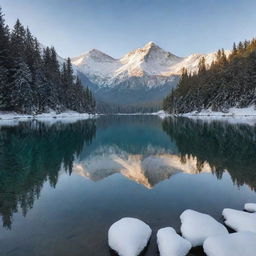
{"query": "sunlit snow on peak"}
(150, 62)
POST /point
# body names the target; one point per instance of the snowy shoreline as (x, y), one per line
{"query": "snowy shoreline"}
(232, 112)
(233, 115)
(8, 116)
(207, 113)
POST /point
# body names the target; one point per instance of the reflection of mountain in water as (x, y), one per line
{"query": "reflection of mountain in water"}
(147, 169)
(225, 146)
(134, 146)
(32, 153)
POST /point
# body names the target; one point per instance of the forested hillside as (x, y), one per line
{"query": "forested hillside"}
(230, 81)
(31, 79)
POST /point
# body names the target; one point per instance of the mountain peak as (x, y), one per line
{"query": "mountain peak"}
(94, 53)
(143, 52)
(150, 62)
(150, 45)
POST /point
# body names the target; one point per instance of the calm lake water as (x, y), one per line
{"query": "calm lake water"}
(63, 184)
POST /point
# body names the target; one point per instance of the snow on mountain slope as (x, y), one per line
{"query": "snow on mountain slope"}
(151, 62)
(97, 65)
(191, 63)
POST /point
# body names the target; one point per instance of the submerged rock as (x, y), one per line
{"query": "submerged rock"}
(235, 244)
(240, 220)
(171, 244)
(129, 236)
(196, 227)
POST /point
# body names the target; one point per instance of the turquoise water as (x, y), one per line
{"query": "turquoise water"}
(63, 184)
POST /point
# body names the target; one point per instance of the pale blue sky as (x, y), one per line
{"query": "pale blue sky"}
(118, 26)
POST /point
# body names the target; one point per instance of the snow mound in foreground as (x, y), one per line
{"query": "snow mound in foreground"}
(240, 220)
(170, 243)
(196, 227)
(129, 236)
(236, 244)
(250, 207)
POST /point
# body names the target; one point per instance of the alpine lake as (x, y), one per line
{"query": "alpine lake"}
(63, 184)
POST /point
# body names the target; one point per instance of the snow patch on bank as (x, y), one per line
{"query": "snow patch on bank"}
(12, 118)
(53, 114)
(161, 113)
(233, 115)
(249, 111)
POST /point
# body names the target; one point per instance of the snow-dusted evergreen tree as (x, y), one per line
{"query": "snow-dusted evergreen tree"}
(229, 82)
(3, 87)
(22, 93)
(30, 78)
(4, 62)
(18, 37)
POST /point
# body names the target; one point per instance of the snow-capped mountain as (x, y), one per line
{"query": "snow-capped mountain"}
(148, 61)
(151, 60)
(149, 70)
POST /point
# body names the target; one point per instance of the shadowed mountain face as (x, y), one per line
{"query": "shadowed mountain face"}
(132, 95)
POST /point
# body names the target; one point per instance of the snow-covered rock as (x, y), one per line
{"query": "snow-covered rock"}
(129, 236)
(240, 220)
(171, 244)
(196, 227)
(235, 244)
(250, 207)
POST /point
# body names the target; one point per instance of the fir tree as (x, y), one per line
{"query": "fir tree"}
(21, 96)
(229, 82)
(201, 66)
(5, 62)
(30, 78)
(18, 42)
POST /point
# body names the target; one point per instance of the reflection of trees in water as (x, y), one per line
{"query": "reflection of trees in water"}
(33, 153)
(222, 145)
(136, 134)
